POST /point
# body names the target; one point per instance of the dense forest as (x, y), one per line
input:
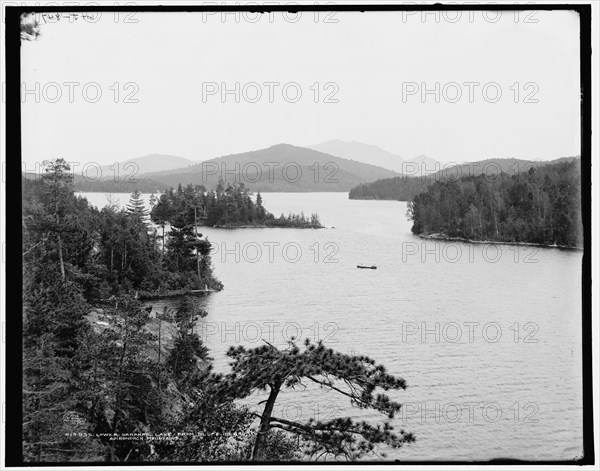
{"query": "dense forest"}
(541, 206)
(107, 380)
(406, 187)
(402, 188)
(123, 185)
(113, 250)
(226, 206)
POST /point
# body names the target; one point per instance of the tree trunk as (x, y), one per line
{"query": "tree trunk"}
(265, 421)
(158, 364)
(197, 250)
(159, 342)
(496, 224)
(60, 257)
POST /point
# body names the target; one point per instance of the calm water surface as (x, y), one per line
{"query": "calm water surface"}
(488, 338)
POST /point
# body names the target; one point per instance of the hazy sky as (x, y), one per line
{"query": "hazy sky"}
(375, 65)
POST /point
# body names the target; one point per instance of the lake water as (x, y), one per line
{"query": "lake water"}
(488, 338)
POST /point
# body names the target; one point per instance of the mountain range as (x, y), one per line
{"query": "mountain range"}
(350, 150)
(405, 188)
(282, 167)
(330, 166)
(417, 166)
(149, 163)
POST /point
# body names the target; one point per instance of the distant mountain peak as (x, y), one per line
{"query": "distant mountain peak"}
(155, 163)
(361, 152)
(294, 170)
(353, 142)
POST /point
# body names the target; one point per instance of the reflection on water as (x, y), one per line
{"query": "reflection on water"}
(488, 338)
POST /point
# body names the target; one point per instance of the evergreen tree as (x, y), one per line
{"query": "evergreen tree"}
(188, 348)
(271, 369)
(137, 207)
(58, 191)
(230, 206)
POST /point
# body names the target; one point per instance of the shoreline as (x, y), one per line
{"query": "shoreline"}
(445, 238)
(262, 226)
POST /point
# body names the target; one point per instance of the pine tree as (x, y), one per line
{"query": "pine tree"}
(268, 368)
(137, 207)
(162, 213)
(59, 191)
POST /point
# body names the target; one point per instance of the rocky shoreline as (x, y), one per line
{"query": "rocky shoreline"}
(262, 226)
(442, 237)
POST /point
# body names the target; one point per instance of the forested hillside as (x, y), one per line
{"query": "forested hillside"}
(122, 185)
(281, 168)
(402, 188)
(112, 249)
(106, 379)
(83, 380)
(406, 187)
(542, 206)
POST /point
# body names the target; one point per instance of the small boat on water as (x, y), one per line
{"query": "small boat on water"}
(372, 267)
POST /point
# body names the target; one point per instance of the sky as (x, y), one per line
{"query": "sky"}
(115, 87)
